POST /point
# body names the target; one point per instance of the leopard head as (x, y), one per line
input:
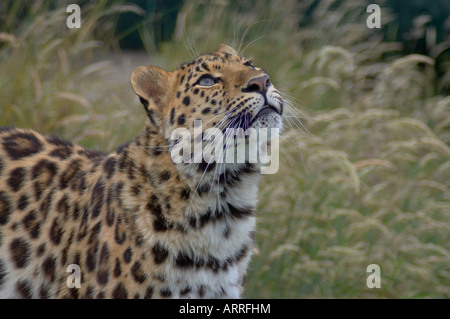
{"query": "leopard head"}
(222, 89)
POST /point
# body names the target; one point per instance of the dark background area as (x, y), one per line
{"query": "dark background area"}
(419, 25)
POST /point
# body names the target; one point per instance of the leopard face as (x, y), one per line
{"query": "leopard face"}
(222, 89)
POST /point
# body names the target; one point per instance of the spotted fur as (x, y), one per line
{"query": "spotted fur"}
(138, 225)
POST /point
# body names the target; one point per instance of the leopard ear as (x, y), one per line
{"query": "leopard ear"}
(151, 84)
(223, 48)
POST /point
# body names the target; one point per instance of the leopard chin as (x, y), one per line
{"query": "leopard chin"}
(269, 118)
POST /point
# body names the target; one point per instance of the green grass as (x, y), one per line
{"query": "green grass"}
(365, 158)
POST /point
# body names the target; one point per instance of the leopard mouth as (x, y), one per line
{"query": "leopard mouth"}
(245, 120)
(266, 110)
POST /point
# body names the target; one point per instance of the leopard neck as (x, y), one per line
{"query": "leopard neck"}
(181, 195)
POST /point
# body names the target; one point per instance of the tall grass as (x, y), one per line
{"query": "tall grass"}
(365, 157)
(50, 77)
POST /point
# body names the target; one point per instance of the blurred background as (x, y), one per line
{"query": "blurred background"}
(365, 157)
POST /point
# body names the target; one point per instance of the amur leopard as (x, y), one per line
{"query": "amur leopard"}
(137, 224)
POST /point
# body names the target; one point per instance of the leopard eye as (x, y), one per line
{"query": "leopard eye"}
(249, 63)
(206, 80)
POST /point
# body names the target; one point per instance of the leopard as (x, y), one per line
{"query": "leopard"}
(77, 223)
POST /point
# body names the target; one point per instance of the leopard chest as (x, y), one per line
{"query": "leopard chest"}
(206, 254)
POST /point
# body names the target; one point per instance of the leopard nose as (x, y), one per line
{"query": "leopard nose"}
(259, 84)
